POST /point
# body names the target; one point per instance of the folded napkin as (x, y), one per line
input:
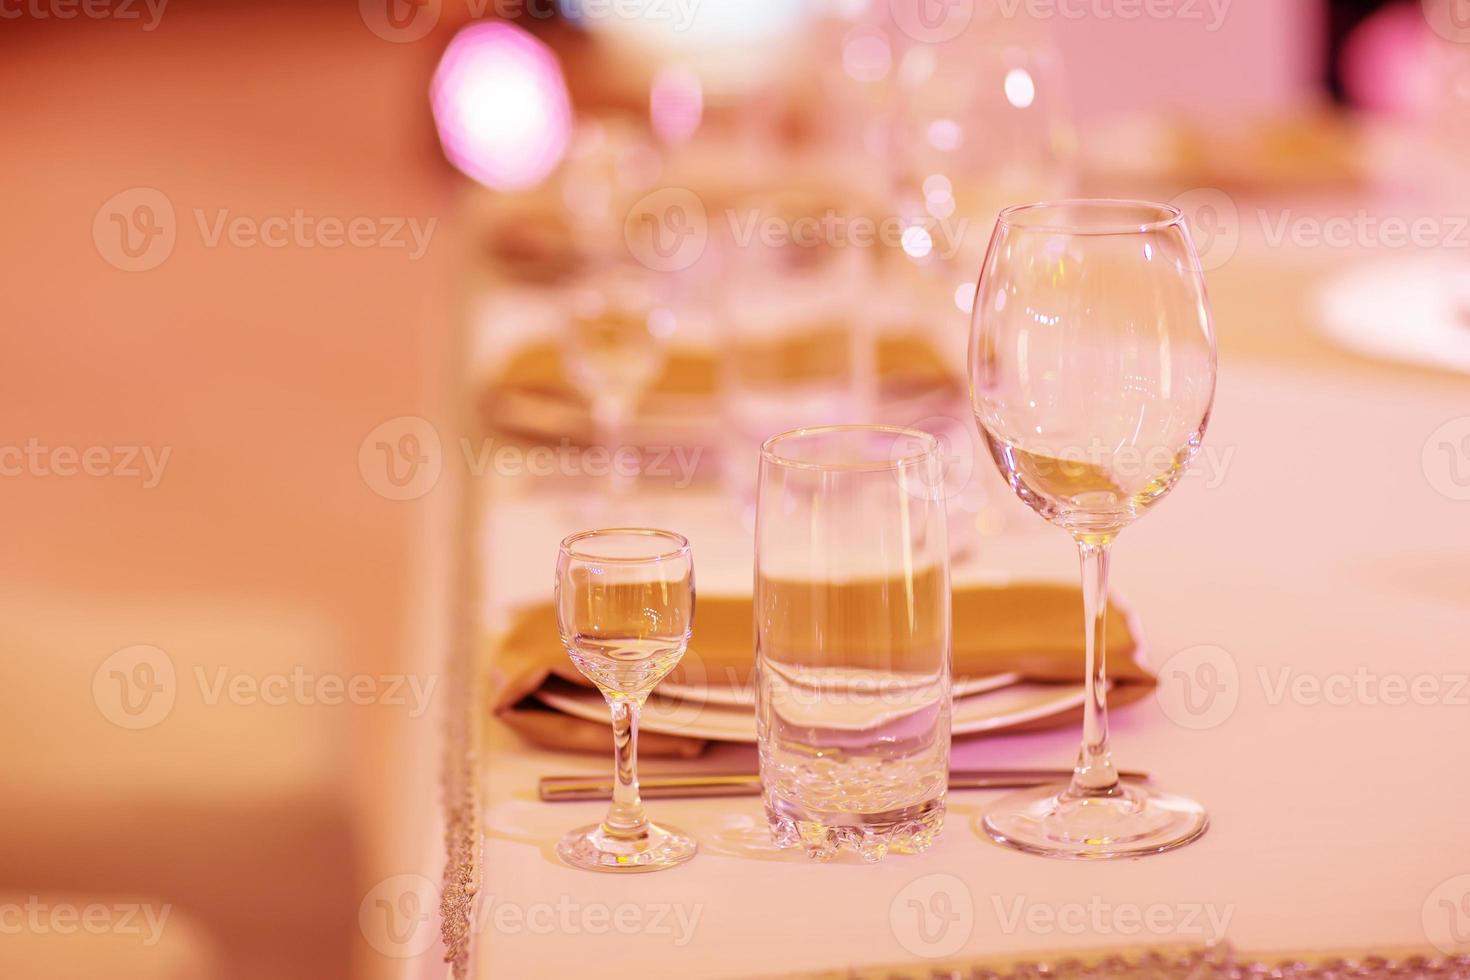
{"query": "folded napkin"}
(1034, 629)
(907, 363)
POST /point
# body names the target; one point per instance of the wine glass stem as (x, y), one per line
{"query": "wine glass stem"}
(1095, 775)
(610, 417)
(625, 817)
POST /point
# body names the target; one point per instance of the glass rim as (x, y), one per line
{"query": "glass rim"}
(570, 542)
(770, 455)
(1165, 216)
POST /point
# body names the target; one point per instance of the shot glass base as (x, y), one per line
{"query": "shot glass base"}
(592, 848)
(1134, 822)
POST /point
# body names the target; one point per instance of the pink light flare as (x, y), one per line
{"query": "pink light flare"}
(1387, 62)
(501, 106)
(676, 103)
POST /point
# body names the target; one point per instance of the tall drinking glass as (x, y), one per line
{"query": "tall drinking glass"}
(852, 626)
(625, 608)
(1092, 369)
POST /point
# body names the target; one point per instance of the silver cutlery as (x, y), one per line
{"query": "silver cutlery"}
(562, 789)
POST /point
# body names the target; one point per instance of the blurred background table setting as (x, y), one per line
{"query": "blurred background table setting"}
(810, 227)
(619, 248)
(808, 219)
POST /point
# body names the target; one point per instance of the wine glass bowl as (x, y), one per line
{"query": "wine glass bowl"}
(1093, 363)
(625, 610)
(1092, 370)
(613, 348)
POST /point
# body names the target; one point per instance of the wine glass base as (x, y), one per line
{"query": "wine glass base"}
(592, 848)
(1135, 822)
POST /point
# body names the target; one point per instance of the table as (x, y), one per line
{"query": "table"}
(1314, 558)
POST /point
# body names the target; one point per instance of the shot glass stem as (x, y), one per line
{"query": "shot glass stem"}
(625, 817)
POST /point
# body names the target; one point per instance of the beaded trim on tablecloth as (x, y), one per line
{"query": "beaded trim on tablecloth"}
(461, 842)
(1219, 962)
(461, 801)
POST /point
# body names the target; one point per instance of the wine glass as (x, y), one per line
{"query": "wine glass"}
(797, 349)
(1092, 370)
(615, 346)
(617, 318)
(625, 608)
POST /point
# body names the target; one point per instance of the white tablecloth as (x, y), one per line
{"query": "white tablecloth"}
(1317, 560)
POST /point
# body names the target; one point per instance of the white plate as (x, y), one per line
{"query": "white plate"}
(993, 708)
(1415, 310)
